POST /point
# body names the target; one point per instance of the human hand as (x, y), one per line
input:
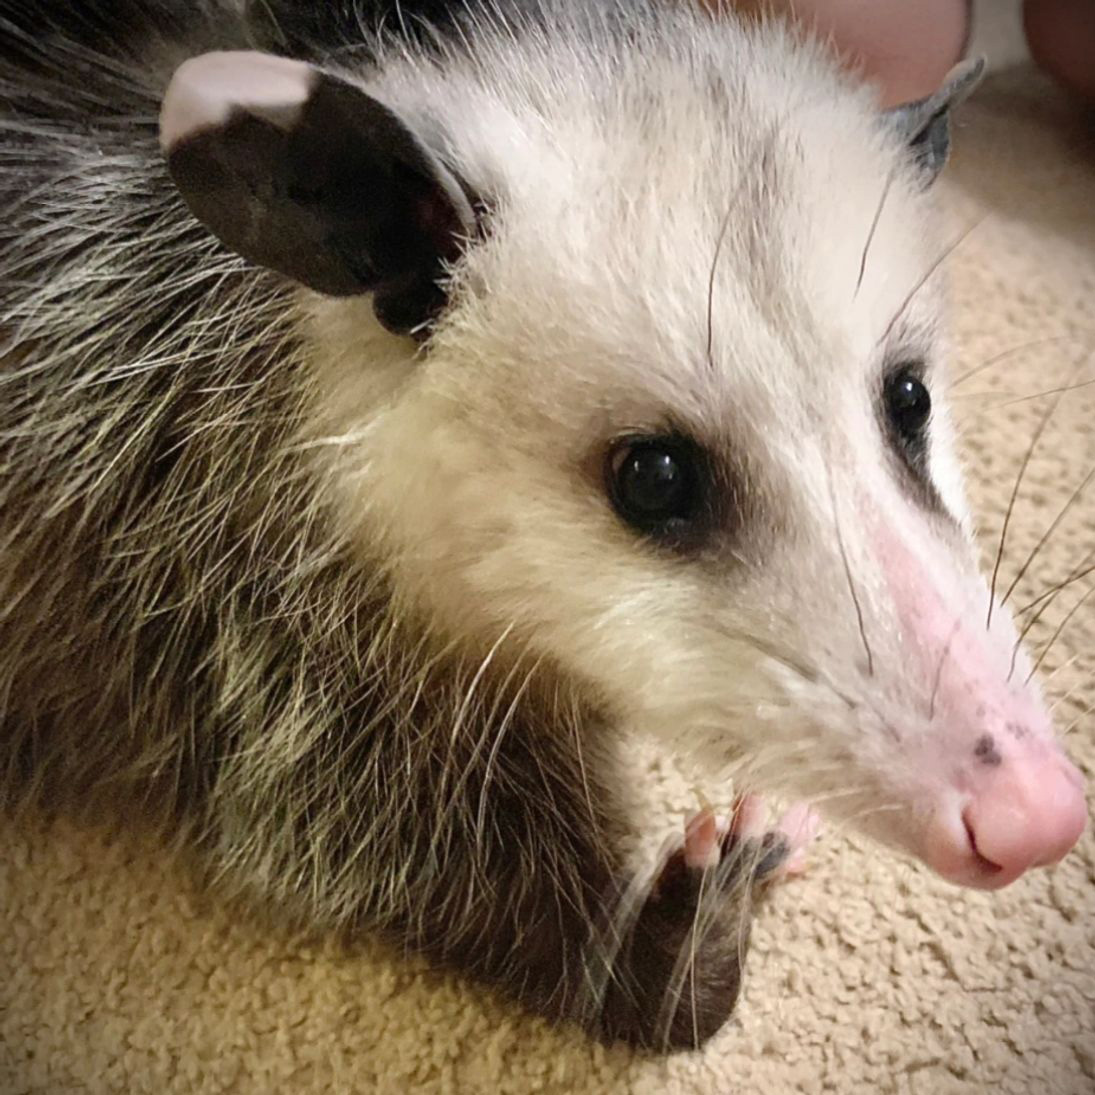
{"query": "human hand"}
(908, 48)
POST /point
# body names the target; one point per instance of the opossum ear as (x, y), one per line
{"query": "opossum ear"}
(925, 123)
(306, 174)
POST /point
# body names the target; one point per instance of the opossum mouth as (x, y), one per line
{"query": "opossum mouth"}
(981, 864)
(983, 874)
(1027, 818)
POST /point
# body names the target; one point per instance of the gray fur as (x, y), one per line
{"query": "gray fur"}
(185, 631)
(925, 123)
(201, 618)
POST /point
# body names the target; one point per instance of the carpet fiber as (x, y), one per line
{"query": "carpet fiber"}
(866, 976)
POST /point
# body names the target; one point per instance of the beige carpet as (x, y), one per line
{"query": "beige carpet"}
(867, 976)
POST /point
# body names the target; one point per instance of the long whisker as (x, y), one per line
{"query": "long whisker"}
(849, 822)
(1067, 696)
(711, 278)
(991, 408)
(811, 674)
(1079, 718)
(1048, 391)
(1048, 678)
(947, 252)
(1046, 535)
(1057, 634)
(1026, 629)
(942, 660)
(1064, 583)
(1043, 422)
(833, 796)
(873, 229)
(848, 576)
(1006, 354)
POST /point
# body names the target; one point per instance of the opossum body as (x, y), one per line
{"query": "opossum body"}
(552, 369)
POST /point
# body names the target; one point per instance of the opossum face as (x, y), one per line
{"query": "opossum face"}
(677, 428)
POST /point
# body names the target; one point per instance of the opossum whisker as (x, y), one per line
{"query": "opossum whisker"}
(499, 734)
(723, 226)
(684, 966)
(874, 228)
(946, 253)
(578, 742)
(620, 913)
(849, 824)
(803, 752)
(1080, 571)
(952, 634)
(1048, 391)
(1063, 699)
(1079, 718)
(1049, 677)
(470, 693)
(1039, 430)
(848, 574)
(818, 798)
(350, 439)
(983, 405)
(769, 772)
(1057, 634)
(807, 672)
(1010, 352)
(1043, 539)
(400, 19)
(692, 958)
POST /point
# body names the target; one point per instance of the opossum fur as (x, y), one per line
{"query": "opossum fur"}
(349, 612)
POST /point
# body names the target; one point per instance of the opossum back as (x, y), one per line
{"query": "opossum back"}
(131, 350)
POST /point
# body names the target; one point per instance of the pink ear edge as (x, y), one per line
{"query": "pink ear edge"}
(206, 89)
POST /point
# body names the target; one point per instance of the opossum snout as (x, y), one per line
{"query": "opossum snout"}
(1004, 796)
(1025, 809)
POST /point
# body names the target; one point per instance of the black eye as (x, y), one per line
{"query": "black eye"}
(908, 406)
(654, 483)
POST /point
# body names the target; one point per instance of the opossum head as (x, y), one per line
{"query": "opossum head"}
(670, 416)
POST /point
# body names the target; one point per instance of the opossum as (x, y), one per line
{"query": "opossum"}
(404, 405)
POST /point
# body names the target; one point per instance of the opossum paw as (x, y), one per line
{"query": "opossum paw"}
(679, 970)
(768, 854)
(797, 829)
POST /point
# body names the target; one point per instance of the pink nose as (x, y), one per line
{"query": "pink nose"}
(1028, 817)
(1028, 813)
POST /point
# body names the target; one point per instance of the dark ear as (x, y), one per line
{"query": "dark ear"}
(925, 124)
(306, 174)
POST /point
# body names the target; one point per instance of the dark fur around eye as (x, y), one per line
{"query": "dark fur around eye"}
(661, 486)
(906, 413)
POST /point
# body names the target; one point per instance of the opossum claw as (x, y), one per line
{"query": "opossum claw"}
(708, 837)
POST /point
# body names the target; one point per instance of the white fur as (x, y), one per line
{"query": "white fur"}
(612, 168)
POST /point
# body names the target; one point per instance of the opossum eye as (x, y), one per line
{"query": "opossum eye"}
(908, 407)
(654, 483)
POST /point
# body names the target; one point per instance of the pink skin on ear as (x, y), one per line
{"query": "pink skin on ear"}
(205, 89)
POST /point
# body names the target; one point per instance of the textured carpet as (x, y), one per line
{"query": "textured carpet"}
(866, 976)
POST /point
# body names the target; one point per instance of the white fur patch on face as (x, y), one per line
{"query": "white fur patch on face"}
(205, 90)
(700, 232)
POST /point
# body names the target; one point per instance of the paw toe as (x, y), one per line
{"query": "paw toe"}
(702, 841)
(801, 826)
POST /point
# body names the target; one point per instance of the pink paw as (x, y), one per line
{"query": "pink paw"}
(708, 838)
